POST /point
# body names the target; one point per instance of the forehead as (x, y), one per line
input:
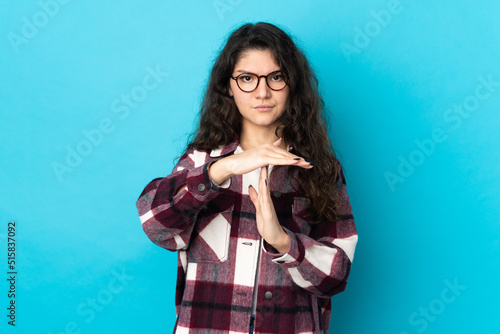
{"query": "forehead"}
(256, 61)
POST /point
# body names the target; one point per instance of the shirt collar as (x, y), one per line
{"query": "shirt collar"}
(225, 149)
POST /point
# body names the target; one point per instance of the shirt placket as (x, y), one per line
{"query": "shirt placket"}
(257, 267)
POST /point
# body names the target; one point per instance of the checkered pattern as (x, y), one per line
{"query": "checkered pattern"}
(213, 229)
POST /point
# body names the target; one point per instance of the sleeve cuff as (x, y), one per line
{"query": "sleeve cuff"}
(289, 259)
(201, 185)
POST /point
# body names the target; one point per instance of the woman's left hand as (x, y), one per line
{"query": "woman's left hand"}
(267, 221)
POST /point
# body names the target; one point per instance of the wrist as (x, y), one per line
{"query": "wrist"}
(282, 245)
(219, 172)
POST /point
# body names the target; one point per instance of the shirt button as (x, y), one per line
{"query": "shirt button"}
(201, 187)
(277, 194)
(268, 295)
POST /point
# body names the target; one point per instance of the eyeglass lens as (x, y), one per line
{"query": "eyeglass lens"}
(248, 82)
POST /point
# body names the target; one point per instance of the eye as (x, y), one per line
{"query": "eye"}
(246, 78)
(277, 77)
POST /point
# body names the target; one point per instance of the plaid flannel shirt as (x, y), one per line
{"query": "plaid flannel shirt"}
(213, 229)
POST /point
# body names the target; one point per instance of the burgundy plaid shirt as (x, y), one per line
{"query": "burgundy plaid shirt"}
(213, 229)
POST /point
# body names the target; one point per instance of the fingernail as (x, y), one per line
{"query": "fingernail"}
(309, 161)
(265, 181)
(250, 186)
(296, 159)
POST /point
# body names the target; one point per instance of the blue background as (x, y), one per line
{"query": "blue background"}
(388, 85)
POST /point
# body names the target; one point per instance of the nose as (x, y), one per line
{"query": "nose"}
(263, 90)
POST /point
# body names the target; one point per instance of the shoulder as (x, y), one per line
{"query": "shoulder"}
(340, 177)
(196, 157)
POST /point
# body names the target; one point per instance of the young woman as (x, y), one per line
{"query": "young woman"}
(256, 207)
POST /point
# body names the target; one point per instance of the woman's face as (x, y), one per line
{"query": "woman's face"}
(263, 107)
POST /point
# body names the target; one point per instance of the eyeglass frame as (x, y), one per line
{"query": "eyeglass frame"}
(258, 80)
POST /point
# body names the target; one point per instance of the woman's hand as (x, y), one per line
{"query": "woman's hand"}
(247, 161)
(267, 221)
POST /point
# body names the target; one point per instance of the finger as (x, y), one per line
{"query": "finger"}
(299, 162)
(278, 152)
(264, 187)
(254, 196)
(263, 175)
(305, 163)
(277, 143)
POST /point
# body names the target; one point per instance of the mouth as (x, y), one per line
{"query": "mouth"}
(264, 107)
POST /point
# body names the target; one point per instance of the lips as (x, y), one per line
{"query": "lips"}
(264, 107)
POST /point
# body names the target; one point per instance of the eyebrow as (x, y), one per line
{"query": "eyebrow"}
(244, 71)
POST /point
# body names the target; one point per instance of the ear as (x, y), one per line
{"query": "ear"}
(230, 91)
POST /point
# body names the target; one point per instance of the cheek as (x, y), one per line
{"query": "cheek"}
(237, 101)
(284, 98)
(240, 98)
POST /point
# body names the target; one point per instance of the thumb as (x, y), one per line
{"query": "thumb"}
(277, 143)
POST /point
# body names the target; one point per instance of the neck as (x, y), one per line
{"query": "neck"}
(251, 138)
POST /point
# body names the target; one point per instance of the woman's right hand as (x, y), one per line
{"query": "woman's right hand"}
(247, 161)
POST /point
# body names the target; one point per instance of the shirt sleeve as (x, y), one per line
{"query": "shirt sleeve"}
(320, 261)
(168, 216)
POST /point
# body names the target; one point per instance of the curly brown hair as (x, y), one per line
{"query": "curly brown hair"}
(303, 124)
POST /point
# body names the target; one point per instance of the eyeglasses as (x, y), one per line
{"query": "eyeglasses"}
(248, 82)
